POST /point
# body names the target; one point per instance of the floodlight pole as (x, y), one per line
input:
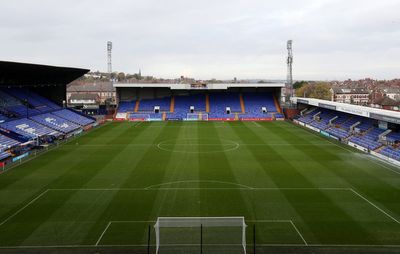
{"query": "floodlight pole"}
(289, 81)
(109, 54)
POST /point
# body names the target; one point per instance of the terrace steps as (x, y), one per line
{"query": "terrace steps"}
(378, 150)
(137, 105)
(278, 107)
(207, 103)
(242, 103)
(172, 105)
(348, 120)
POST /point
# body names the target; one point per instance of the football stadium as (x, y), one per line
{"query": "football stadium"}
(193, 168)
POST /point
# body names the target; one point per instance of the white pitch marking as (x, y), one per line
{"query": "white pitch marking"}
(17, 212)
(151, 187)
(198, 181)
(138, 124)
(377, 207)
(102, 234)
(228, 142)
(246, 188)
(133, 221)
(241, 144)
(344, 148)
(143, 245)
(298, 232)
(257, 124)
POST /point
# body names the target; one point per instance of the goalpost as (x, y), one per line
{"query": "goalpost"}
(199, 231)
(196, 117)
(139, 117)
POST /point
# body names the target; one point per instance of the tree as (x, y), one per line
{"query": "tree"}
(318, 91)
(114, 75)
(299, 84)
(137, 76)
(321, 91)
(304, 91)
(121, 76)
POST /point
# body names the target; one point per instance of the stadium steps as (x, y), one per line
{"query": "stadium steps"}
(278, 107)
(137, 105)
(378, 150)
(368, 131)
(207, 103)
(172, 105)
(164, 116)
(242, 103)
(348, 120)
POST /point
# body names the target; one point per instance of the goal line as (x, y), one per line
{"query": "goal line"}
(199, 231)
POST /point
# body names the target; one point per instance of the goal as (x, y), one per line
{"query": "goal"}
(192, 232)
(197, 117)
(139, 117)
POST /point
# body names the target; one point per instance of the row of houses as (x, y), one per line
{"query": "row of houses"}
(385, 98)
(90, 93)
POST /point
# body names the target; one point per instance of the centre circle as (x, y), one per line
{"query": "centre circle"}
(198, 145)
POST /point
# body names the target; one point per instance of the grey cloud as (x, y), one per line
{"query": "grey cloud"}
(205, 39)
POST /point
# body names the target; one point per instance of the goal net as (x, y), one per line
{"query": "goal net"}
(197, 117)
(139, 117)
(192, 233)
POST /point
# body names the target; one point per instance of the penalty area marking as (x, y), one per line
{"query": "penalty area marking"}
(351, 190)
(249, 221)
(198, 181)
(145, 245)
(22, 208)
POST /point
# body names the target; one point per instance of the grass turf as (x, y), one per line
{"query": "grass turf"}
(108, 186)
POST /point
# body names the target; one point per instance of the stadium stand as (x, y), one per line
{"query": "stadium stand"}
(4, 155)
(353, 120)
(307, 118)
(248, 105)
(30, 96)
(369, 139)
(338, 132)
(73, 117)
(391, 152)
(55, 122)
(323, 119)
(126, 106)
(28, 128)
(6, 142)
(184, 102)
(3, 118)
(14, 106)
(38, 103)
(254, 102)
(148, 105)
(220, 101)
(365, 133)
(393, 137)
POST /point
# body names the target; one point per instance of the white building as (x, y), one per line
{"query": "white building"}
(358, 96)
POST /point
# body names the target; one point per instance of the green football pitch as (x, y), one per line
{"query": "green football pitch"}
(292, 186)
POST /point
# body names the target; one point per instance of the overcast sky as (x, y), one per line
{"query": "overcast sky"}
(332, 39)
